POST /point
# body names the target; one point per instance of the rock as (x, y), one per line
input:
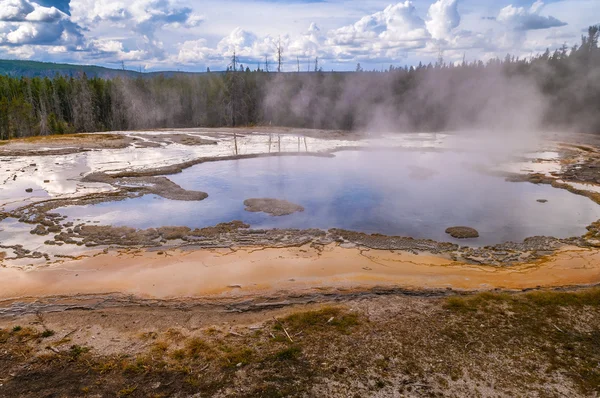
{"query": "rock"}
(39, 230)
(542, 200)
(274, 207)
(54, 228)
(29, 190)
(46, 181)
(462, 232)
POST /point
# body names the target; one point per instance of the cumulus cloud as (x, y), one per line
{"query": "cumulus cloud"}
(384, 34)
(143, 15)
(15, 10)
(308, 43)
(443, 18)
(24, 22)
(398, 22)
(173, 32)
(145, 18)
(193, 51)
(523, 19)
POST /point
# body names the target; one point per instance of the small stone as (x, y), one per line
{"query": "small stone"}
(29, 190)
(542, 200)
(39, 230)
(462, 232)
(46, 181)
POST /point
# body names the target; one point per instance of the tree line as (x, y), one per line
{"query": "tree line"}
(556, 90)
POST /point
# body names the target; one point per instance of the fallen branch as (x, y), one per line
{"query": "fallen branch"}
(283, 327)
(70, 333)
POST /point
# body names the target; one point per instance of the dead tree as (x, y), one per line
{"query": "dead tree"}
(279, 55)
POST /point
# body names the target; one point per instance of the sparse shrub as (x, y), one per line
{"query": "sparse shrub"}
(288, 354)
(195, 346)
(47, 333)
(76, 350)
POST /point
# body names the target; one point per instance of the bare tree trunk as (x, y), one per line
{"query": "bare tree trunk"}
(279, 54)
(235, 142)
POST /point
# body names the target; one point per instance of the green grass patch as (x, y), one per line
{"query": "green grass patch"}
(327, 317)
(541, 299)
(288, 354)
(76, 351)
(47, 333)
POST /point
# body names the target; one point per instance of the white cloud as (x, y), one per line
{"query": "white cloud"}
(26, 22)
(443, 18)
(193, 51)
(385, 35)
(520, 18)
(169, 33)
(15, 10)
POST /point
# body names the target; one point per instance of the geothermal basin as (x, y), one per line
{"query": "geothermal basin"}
(163, 213)
(416, 193)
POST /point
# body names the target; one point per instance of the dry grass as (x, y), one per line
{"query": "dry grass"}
(532, 344)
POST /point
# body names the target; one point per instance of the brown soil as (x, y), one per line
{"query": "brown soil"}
(63, 144)
(491, 345)
(274, 207)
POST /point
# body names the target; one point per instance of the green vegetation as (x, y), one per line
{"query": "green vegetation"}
(47, 333)
(412, 98)
(328, 317)
(20, 68)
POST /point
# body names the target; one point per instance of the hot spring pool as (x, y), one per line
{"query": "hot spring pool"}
(407, 193)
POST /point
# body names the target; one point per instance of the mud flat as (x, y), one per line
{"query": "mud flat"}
(250, 272)
(274, 207)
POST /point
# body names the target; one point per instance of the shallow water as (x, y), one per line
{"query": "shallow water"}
(407, 193)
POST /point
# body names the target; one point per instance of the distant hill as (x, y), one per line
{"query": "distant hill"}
(17, 68)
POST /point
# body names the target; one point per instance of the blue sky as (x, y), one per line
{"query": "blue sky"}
(194, 35)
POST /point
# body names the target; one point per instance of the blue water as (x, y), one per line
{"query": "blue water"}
(409, 193)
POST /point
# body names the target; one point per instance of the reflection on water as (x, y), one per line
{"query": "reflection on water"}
(407, 193)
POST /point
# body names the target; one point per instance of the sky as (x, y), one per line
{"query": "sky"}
(188, 35)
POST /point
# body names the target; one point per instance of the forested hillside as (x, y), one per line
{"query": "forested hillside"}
(555, 90)
(17, 68)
